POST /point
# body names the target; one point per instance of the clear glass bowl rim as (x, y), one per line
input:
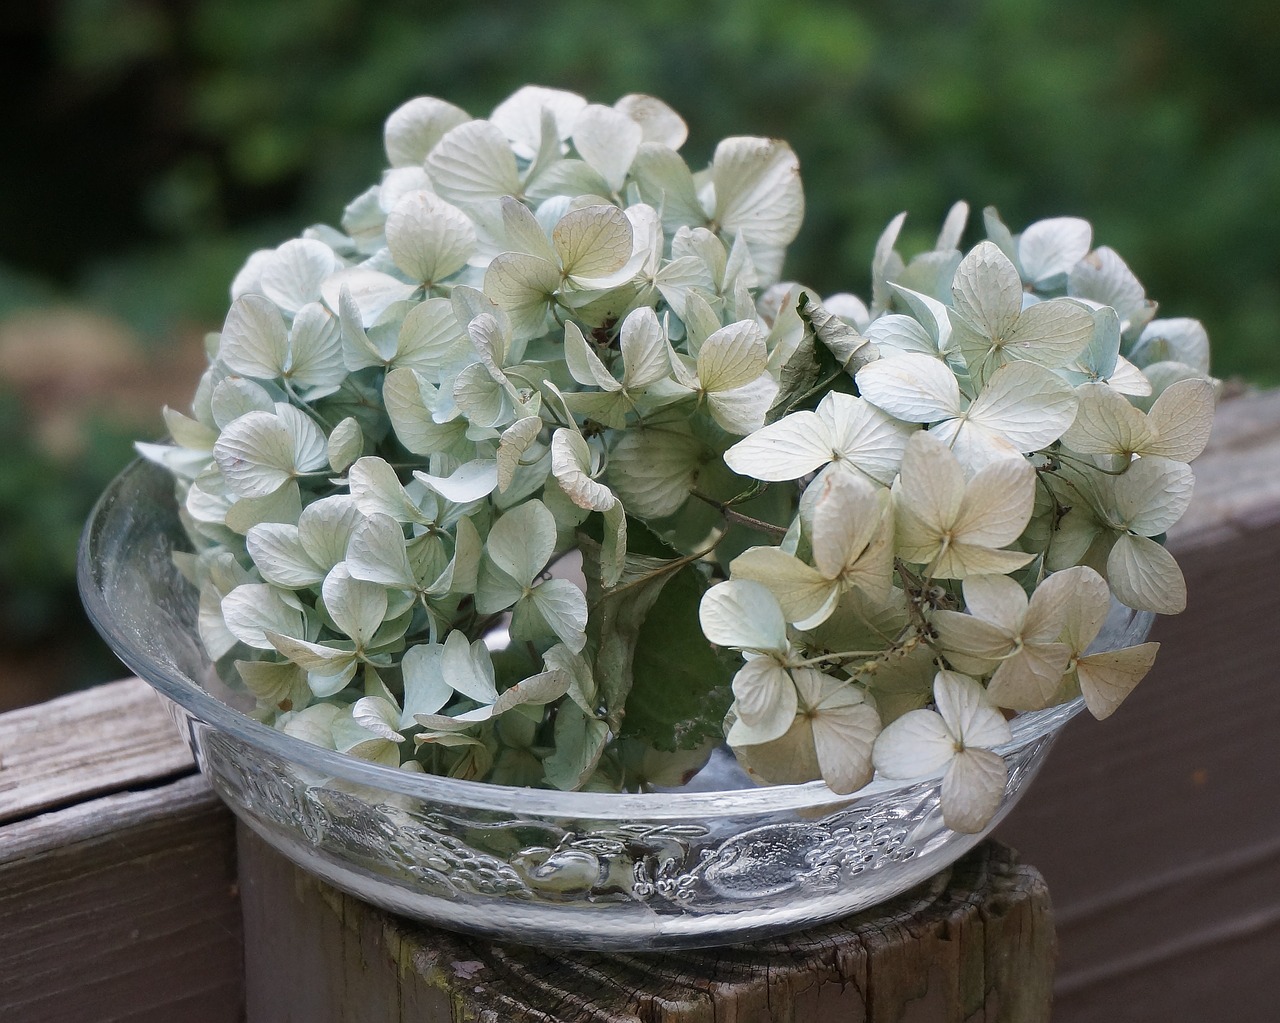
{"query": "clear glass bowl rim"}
(658, 805)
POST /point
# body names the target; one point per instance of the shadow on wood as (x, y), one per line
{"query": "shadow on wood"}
(975, 945)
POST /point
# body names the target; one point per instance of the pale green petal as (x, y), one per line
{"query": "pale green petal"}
(278, 553)
(357, 607)
(377, 553)
(584, 365)
(252, 610)
(522, 540)
(1182, 419)
(564, 609)
(802, 591)
(468, 668)
(523, 286)
(425, 689)
(345, 444)
(652, 471)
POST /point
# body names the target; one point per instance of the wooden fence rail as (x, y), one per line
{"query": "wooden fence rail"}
(126, 894)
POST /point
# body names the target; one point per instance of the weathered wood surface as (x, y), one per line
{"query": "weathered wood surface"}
(86, 744)
(974, 946)
(119, 903)
(1157, 830)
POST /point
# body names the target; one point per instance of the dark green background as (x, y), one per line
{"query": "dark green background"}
(149, 146)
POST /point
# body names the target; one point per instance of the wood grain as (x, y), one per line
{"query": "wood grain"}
(86, 744)
(122, 908)
(975, 945)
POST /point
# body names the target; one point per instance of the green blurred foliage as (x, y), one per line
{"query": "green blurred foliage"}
(163, 141)
(240, 121)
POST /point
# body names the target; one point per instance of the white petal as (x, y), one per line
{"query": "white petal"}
(1048, 249)
(843, 737)
(658, 122)
(732, 356)
(666, 184)
(790, 448)
(765, 698)
(1106, 423)
(969, 714)
(1144, 576)
(254, 338)
(473, 162)
(277, 550)
(644, 352)
(608, 140)
(987, 292)
(1107, 678)
(914, 746)
(997, 504)
(414, 128)
(846, 514)
(914, 388)
(429, 239)
(253, 609)
(743, 615)
(292, 277)
(742, 410)
(758, 196)
(972, 790)
(571, 465)
(1153, 494)
(1182, 418)
(863, 436)
(593, 241)
(520, 114)
(1030, 406)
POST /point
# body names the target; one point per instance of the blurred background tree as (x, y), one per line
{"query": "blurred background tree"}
(150, 145)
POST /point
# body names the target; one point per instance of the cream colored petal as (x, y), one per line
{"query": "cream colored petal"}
(972, 790)
(1107, 678)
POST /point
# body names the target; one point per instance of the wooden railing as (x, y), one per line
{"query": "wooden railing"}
(126, 893)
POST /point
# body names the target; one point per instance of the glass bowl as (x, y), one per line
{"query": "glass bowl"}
(716, 862)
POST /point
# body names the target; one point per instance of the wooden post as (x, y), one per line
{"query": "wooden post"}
(974, 944)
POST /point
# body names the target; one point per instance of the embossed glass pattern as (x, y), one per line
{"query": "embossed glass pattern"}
(718, 861)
